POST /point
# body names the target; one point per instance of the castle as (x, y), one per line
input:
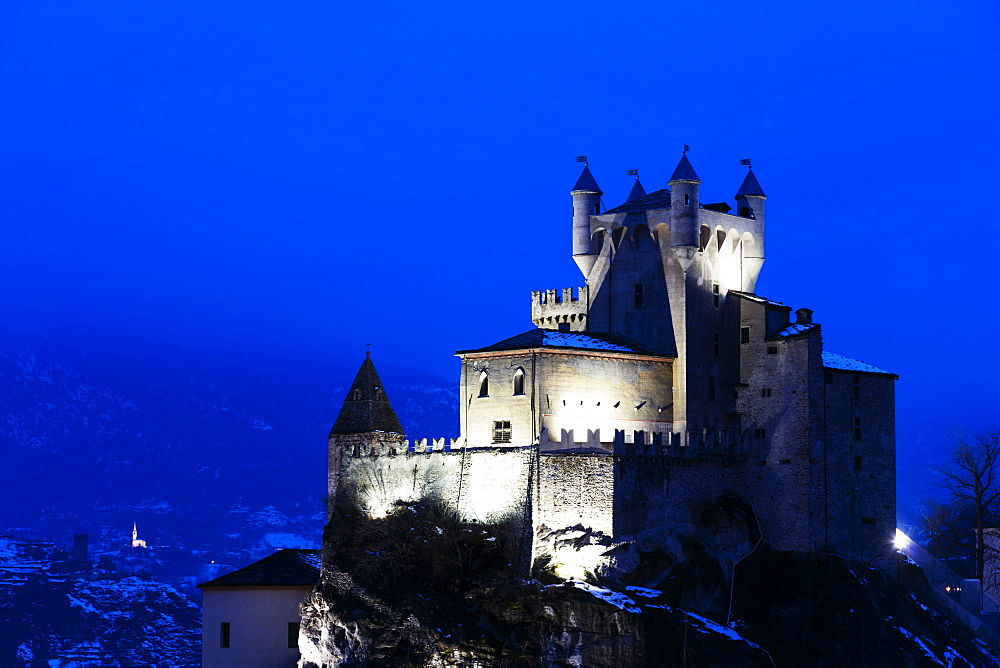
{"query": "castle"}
(661, 382)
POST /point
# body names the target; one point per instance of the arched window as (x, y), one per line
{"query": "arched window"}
(484, 385)
(519, 382)
(744, 212)
(356, 395)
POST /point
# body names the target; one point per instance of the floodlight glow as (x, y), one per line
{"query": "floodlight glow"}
(902, 541)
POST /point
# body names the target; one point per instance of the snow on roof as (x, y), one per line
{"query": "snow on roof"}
(590, 341)
(835, 361)
(756, 298)
(794, 329)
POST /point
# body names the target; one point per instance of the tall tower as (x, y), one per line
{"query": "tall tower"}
(367, 425)
(750, 205)
(586, 203)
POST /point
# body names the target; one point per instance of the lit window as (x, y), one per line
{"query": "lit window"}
(484, 385)
(501, 431)
(519, 382)
(224, 635)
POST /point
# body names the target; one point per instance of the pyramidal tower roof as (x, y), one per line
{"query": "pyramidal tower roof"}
(637, 191)
(750, 186)
(587, 181)
(366, 408)
(684, 171)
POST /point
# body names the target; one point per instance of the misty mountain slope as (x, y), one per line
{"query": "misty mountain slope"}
(91, 428)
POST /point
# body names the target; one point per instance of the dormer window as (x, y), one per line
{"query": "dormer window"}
(484, 385)
(519, 382)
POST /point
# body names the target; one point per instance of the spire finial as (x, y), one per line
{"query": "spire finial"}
(583, 159)
(686, 149)
(368, 349)
(746, 161)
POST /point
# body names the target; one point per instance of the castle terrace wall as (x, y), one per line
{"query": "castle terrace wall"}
(483, 485)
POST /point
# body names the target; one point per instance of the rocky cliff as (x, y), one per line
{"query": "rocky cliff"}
(421, 588)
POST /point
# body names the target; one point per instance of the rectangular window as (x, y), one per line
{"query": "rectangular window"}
(868, 520)
(711, 388)
(715, 344)
(857, 386)
(828, 377)
(857, 429)
(857, 463)
(765, 392)
(638, 295)
(759, 433)
(772, 350)
(501, 431)
(293, 635)
(224, 634)
(744, 335)
(715, 295)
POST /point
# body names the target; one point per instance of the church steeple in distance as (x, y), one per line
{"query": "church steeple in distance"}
(366, 408)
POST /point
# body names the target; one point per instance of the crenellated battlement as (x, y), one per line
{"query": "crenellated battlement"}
(568, 307)
(700, 443)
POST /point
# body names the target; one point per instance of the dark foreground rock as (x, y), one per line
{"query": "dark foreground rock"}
(419, 588)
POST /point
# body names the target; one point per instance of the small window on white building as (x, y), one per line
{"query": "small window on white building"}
(519, 382)
(484, 385)
(501, 431)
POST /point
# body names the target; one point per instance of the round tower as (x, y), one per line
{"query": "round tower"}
(684, 185)
(750, 205)
(586, 203)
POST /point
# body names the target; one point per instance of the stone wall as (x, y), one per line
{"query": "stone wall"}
(483, 485)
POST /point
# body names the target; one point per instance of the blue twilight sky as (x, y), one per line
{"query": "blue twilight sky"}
(310, 176)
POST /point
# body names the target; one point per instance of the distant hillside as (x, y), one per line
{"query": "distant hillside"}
(190, 445)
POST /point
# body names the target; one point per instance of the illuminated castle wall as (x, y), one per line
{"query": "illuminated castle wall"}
(661, 382)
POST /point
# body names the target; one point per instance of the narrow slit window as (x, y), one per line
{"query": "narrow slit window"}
(519, 382)
(224, 635)
(638, 294)
(484, 385)
(744, 335)
(715, 295)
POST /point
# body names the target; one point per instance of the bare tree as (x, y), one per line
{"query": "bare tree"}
(973, 478)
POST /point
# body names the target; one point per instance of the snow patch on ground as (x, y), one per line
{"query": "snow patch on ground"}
(617, 599)
(921, 644)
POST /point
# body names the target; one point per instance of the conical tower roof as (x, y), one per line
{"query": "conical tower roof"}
(684, 171)
(750, 186)
(587, 181)
(637, 191)
(366, 408)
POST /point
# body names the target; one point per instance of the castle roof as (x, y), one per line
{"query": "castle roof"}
(284, 568)
(637, 191)
(658, 199)
(750, 186)
(587, 181)
(841, 363)
(547, 338)
(684, 171)
(366, 407)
